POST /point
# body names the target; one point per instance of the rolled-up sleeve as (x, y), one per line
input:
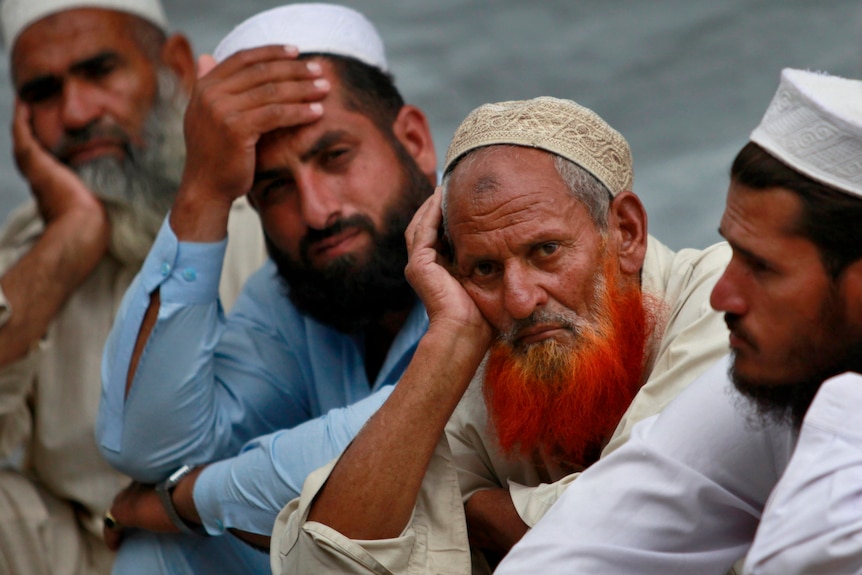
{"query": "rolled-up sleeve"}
(434, 541)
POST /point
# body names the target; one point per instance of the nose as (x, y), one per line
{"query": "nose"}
(727, 294)
(320, 204)
(522, 291)
(80, 105)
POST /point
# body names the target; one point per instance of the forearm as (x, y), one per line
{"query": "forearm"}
(248, 491)
(493, 523)
(38, 285)
(373, 488)
(170, 415)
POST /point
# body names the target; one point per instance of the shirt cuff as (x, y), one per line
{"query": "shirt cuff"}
(217, 513)
(184, 272)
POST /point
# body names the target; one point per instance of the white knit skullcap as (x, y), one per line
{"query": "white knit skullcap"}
(17, 15)
(814, 125)
(315, 27)
(559, 126)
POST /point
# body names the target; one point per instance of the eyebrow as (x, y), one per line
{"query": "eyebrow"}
(325, 141)
(76, 68)
(322, 143)
(744, 252)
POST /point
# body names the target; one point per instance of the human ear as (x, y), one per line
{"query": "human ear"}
(412, 130)
(627, 220)
(178, 57)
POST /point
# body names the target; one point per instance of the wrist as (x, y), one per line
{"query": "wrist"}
(195, 217)
(175, 493)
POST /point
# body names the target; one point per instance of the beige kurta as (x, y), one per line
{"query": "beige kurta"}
(55, 486)
(466, 460)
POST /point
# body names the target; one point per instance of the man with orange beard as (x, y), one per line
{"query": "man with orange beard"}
(572, 323)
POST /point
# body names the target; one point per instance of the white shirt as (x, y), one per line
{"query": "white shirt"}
(812, 523)
(684, 495)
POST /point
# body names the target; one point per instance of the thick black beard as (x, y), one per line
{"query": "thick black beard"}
(345, 295)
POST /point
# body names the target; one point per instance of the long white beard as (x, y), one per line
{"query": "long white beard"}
(138, 190)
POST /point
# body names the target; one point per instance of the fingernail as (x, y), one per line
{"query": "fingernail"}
(292, 50)
(321, 83)
(316, 107)
(313, 67)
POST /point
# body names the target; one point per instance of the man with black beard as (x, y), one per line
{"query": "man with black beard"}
(227, 415)
(708, 466)
(101, 87)
(583, 324)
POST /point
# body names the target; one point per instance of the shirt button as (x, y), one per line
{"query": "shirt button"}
(166, 269)
(189, 274)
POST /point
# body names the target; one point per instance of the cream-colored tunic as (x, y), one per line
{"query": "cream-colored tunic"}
(54, 484)
(466, 460)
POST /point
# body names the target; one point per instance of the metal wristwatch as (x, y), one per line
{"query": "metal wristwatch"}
(164, 489)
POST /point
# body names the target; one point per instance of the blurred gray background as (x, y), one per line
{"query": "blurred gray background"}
(684, 80)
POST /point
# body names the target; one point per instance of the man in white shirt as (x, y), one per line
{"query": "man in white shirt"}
(708, 463)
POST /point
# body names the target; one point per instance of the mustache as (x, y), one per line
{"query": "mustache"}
(570, 321)
(312, 236)
(81, 136)
(734, 324)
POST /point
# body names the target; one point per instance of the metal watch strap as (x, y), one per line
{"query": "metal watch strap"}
(164, 489)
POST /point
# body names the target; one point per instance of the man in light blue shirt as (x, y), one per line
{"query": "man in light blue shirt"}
(336, 164)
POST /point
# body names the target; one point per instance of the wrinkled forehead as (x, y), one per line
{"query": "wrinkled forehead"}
(58, 41)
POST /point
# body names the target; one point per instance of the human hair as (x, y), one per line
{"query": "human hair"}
(367, 90)
(829, 217)
(583, 186)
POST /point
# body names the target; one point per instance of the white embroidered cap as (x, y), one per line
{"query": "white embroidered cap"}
(559, 126)
(814, 125)
(17, 15)
(312, 27)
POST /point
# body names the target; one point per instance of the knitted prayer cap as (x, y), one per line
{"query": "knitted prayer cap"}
(814, 125)
(559, 126)
(313, 27)
(17, 15)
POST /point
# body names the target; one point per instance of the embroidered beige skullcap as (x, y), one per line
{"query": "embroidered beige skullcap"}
(17, 15)
(814, 125)
(312, 27)
(559, 126)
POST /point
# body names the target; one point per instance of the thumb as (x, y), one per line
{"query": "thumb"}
(205, 63)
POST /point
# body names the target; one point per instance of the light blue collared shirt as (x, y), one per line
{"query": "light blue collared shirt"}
(267, 379)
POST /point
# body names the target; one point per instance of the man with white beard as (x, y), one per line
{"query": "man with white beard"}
(101, 90)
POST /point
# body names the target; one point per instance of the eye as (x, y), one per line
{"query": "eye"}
(548, 248)
(40, 90)
(97, 68)
(483, 270)
(272, 192)
(335, 157)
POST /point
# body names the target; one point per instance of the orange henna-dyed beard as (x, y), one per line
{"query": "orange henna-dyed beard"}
(564, 399)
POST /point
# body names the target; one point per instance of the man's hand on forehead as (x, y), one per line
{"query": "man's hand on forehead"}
(235, 102)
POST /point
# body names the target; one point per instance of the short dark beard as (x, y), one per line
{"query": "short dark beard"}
(782, 404)
(837, 349)
(348, 296)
